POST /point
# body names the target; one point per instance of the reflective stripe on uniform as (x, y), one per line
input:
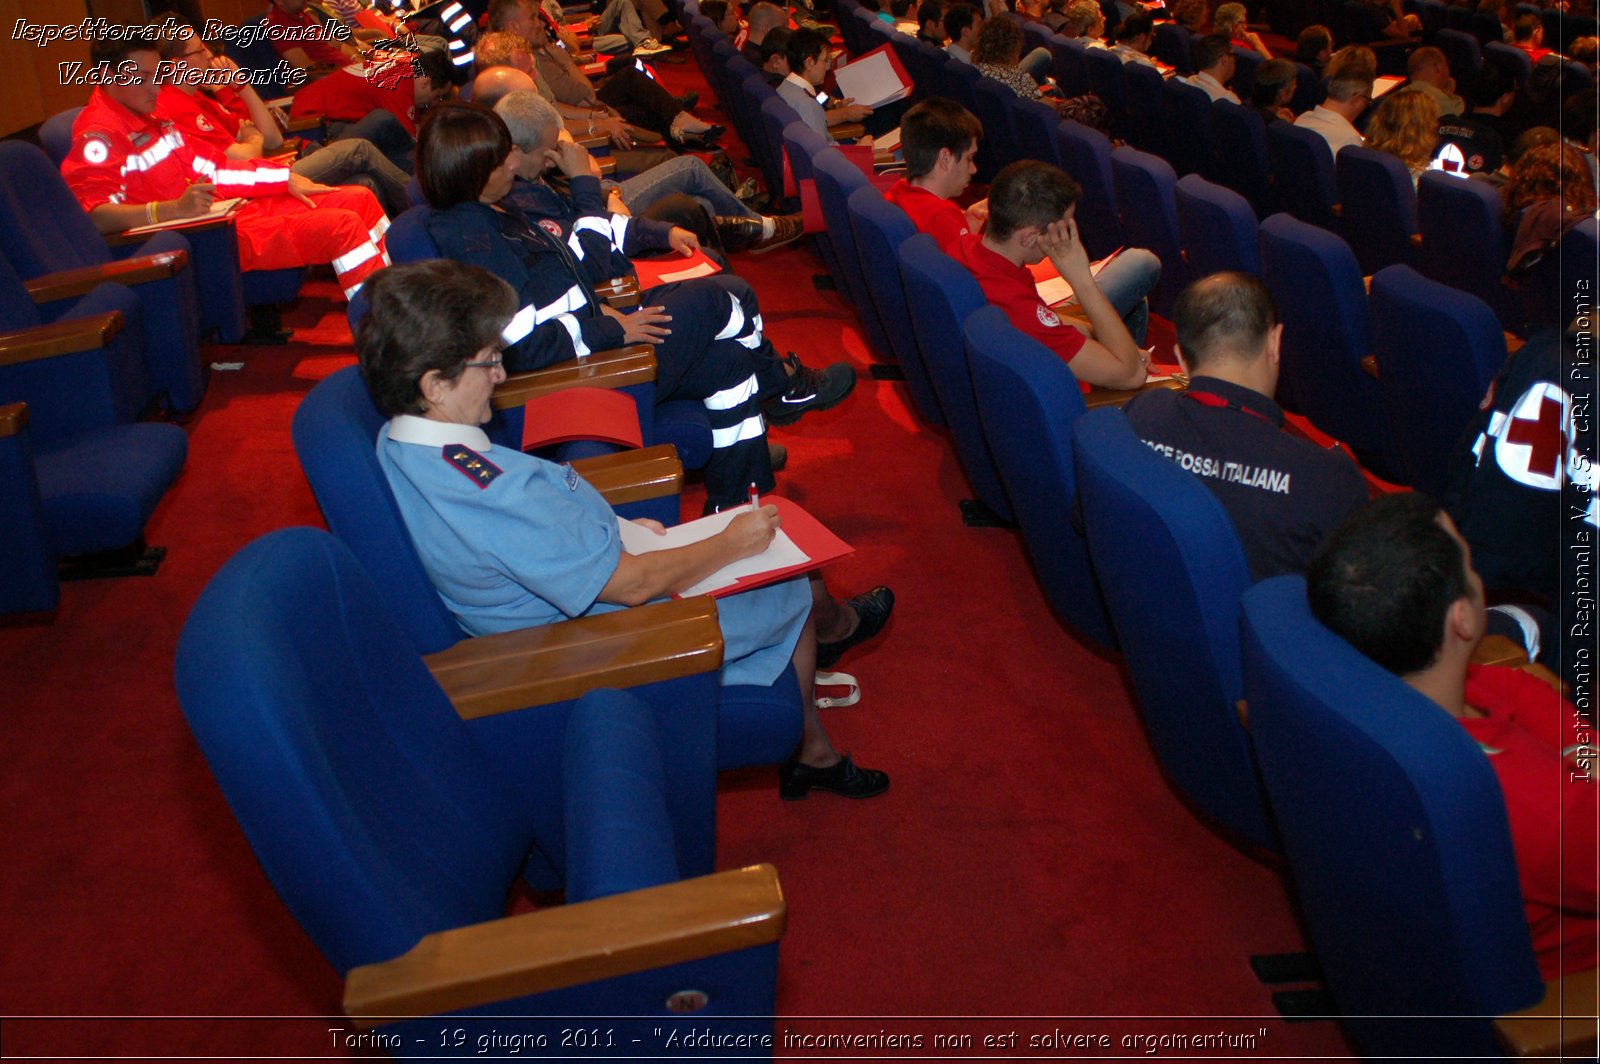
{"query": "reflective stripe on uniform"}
(748, 429)
(728, 398)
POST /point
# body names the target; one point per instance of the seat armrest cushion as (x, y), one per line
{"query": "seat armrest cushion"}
(617, 368)
(69, 284)
(1119, 397)
(60, 338)
(631, 476)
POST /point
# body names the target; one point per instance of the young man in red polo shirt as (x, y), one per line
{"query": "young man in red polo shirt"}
(130, 167)
(1396, 581)
(1031, 218)
(939, 139)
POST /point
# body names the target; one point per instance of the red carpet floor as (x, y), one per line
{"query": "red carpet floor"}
(1028, 862)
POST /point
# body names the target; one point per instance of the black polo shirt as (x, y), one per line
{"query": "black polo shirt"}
(1285, 494)
(1479, 135)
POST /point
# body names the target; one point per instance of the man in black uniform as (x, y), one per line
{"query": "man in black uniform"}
(1284, 494)
(1475, 143)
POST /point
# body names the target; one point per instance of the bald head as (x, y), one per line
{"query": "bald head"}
(494, 84)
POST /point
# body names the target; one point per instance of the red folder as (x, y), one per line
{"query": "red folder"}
(581, 414)
(652, 272)
(820, 546)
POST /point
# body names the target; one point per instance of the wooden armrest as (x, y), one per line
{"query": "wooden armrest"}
(1560, 1026)
(621, 292)
(302, 123)
(848, 131)
(1369, 365)
(13, 419)
(117, 240)
(617, 368)
(537, 952)
(554, 662)
(1118, 397)
(631, 476)
(591, 141)
(59, 338)
(69, 284)
(1498, 650)
(608, 165)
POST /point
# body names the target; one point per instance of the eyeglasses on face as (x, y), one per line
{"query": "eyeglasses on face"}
(489, 363)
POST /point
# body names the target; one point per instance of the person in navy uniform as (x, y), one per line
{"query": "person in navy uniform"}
(1284, 494)
(510, 540)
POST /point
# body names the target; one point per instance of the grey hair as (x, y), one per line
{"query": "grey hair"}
(529, 116)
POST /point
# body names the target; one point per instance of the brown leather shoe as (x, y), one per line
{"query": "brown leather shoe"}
(786, 229)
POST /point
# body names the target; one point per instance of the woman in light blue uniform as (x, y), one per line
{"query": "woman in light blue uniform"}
(511, 541)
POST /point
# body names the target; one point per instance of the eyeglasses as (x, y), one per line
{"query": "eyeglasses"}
(489, 363)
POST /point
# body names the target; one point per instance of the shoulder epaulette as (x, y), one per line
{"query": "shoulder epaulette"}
(473, 465)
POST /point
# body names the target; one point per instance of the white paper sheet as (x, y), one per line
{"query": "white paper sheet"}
(699, 269)
(218, 209)
(780, 554)
(871, 81)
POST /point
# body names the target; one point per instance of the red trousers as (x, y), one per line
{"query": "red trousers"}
(345, 228)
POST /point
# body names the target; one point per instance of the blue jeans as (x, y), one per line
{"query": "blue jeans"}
(690, 176)
(1125, 282)
(1036, 64)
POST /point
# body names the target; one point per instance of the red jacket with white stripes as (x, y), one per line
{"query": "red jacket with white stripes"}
(119, 156)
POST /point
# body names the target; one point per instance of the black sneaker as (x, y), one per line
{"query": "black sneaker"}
(809, 389)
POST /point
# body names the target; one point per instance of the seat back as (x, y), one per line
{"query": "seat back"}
(1218, 228)
(1035, 126)
(1517, 62)
(1316, 284)
(776, 116)
(1028, 401)
(941, 295)
(961, 79)
(1172, 45)
(56, 134)
(1104, 71)
(1464, 53)
(1246, 60)
(335, 433)
(837, 180)
(1308, 89)
(1437, 350)
(1086, 155)
(764, 126)
(880, 228)
(28, 582)
(1242, 160)
(408, 239)
(1145, 191)
(801, 146)
(999, 144)
(1380, 208)
(42, 228)
(1068, 65)
(1147, 109)
(1412, 905)
(1188, 115)
(1463, 239)
(368, 804)
(1172, 569)
(1302, 174)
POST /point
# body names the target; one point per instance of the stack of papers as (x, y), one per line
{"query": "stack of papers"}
(874, 79)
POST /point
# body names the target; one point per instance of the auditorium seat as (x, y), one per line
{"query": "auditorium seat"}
(1246, 60)
(1464, 240)
(1148, 126)
(53, 246)
(1145, 191)
(1396, 838)
(1562, 284)
(1172, 569)
(1308, 89)
(1188, 115)
(1516, 62)
(837, 180)
(801, 146)
(1437, 349)
(1463, 52)
(1303, 178)
(776, 116)
(1067, 65)
(1172, 45)
(1027, 401)
(998, 146)
(941, 295)
(1106, 80)
(395, 838)
(880, 228)
(335, 431)
(1243, 163)
(1316, 284)
(1035, 126)
(1379, 212)
(1086, 155)
(1218, 229)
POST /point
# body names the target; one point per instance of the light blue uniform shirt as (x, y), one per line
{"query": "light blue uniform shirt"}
(511, 541)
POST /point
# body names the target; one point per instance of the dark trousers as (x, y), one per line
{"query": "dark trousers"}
(640, 100)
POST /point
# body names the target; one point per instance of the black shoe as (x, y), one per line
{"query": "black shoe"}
(778, 455)
(687, 101)
(704, 140)
(872, 610)
(786, 229)
(737, 233)
(795, 780)
(809, 389)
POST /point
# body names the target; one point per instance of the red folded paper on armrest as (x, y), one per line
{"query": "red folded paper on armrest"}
(581, 414)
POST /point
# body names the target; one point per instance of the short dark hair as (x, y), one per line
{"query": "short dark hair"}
(1493, 81)
(1578, 115)
(122, 41)
(1524, 27)
(1136, 25)
(1029, 192)
(458, 147)
(805, 44)
(715, 10)
(898, 8)
(1271, 77)
(429, 315)
(776, 42)
(433, 64)
(931, 125)
(1386, 578)
(959, 17)
(1309, 45)
(1222, 315)
(930, 11)
(1209, 50)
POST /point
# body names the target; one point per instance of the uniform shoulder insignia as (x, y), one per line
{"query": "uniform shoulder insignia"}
(473, 465)
(96, 148)
(569, 476)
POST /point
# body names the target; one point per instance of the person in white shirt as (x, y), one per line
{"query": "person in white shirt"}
(1349, 94)
(1134, 37)
(1215, 61)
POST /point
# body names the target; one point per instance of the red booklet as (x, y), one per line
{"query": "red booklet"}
(581, 414)
(673, 267)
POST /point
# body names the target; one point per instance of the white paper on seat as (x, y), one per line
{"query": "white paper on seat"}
(782, 553)
(699, 269)
(889, 142)
(1387, 83)
(871, 81)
